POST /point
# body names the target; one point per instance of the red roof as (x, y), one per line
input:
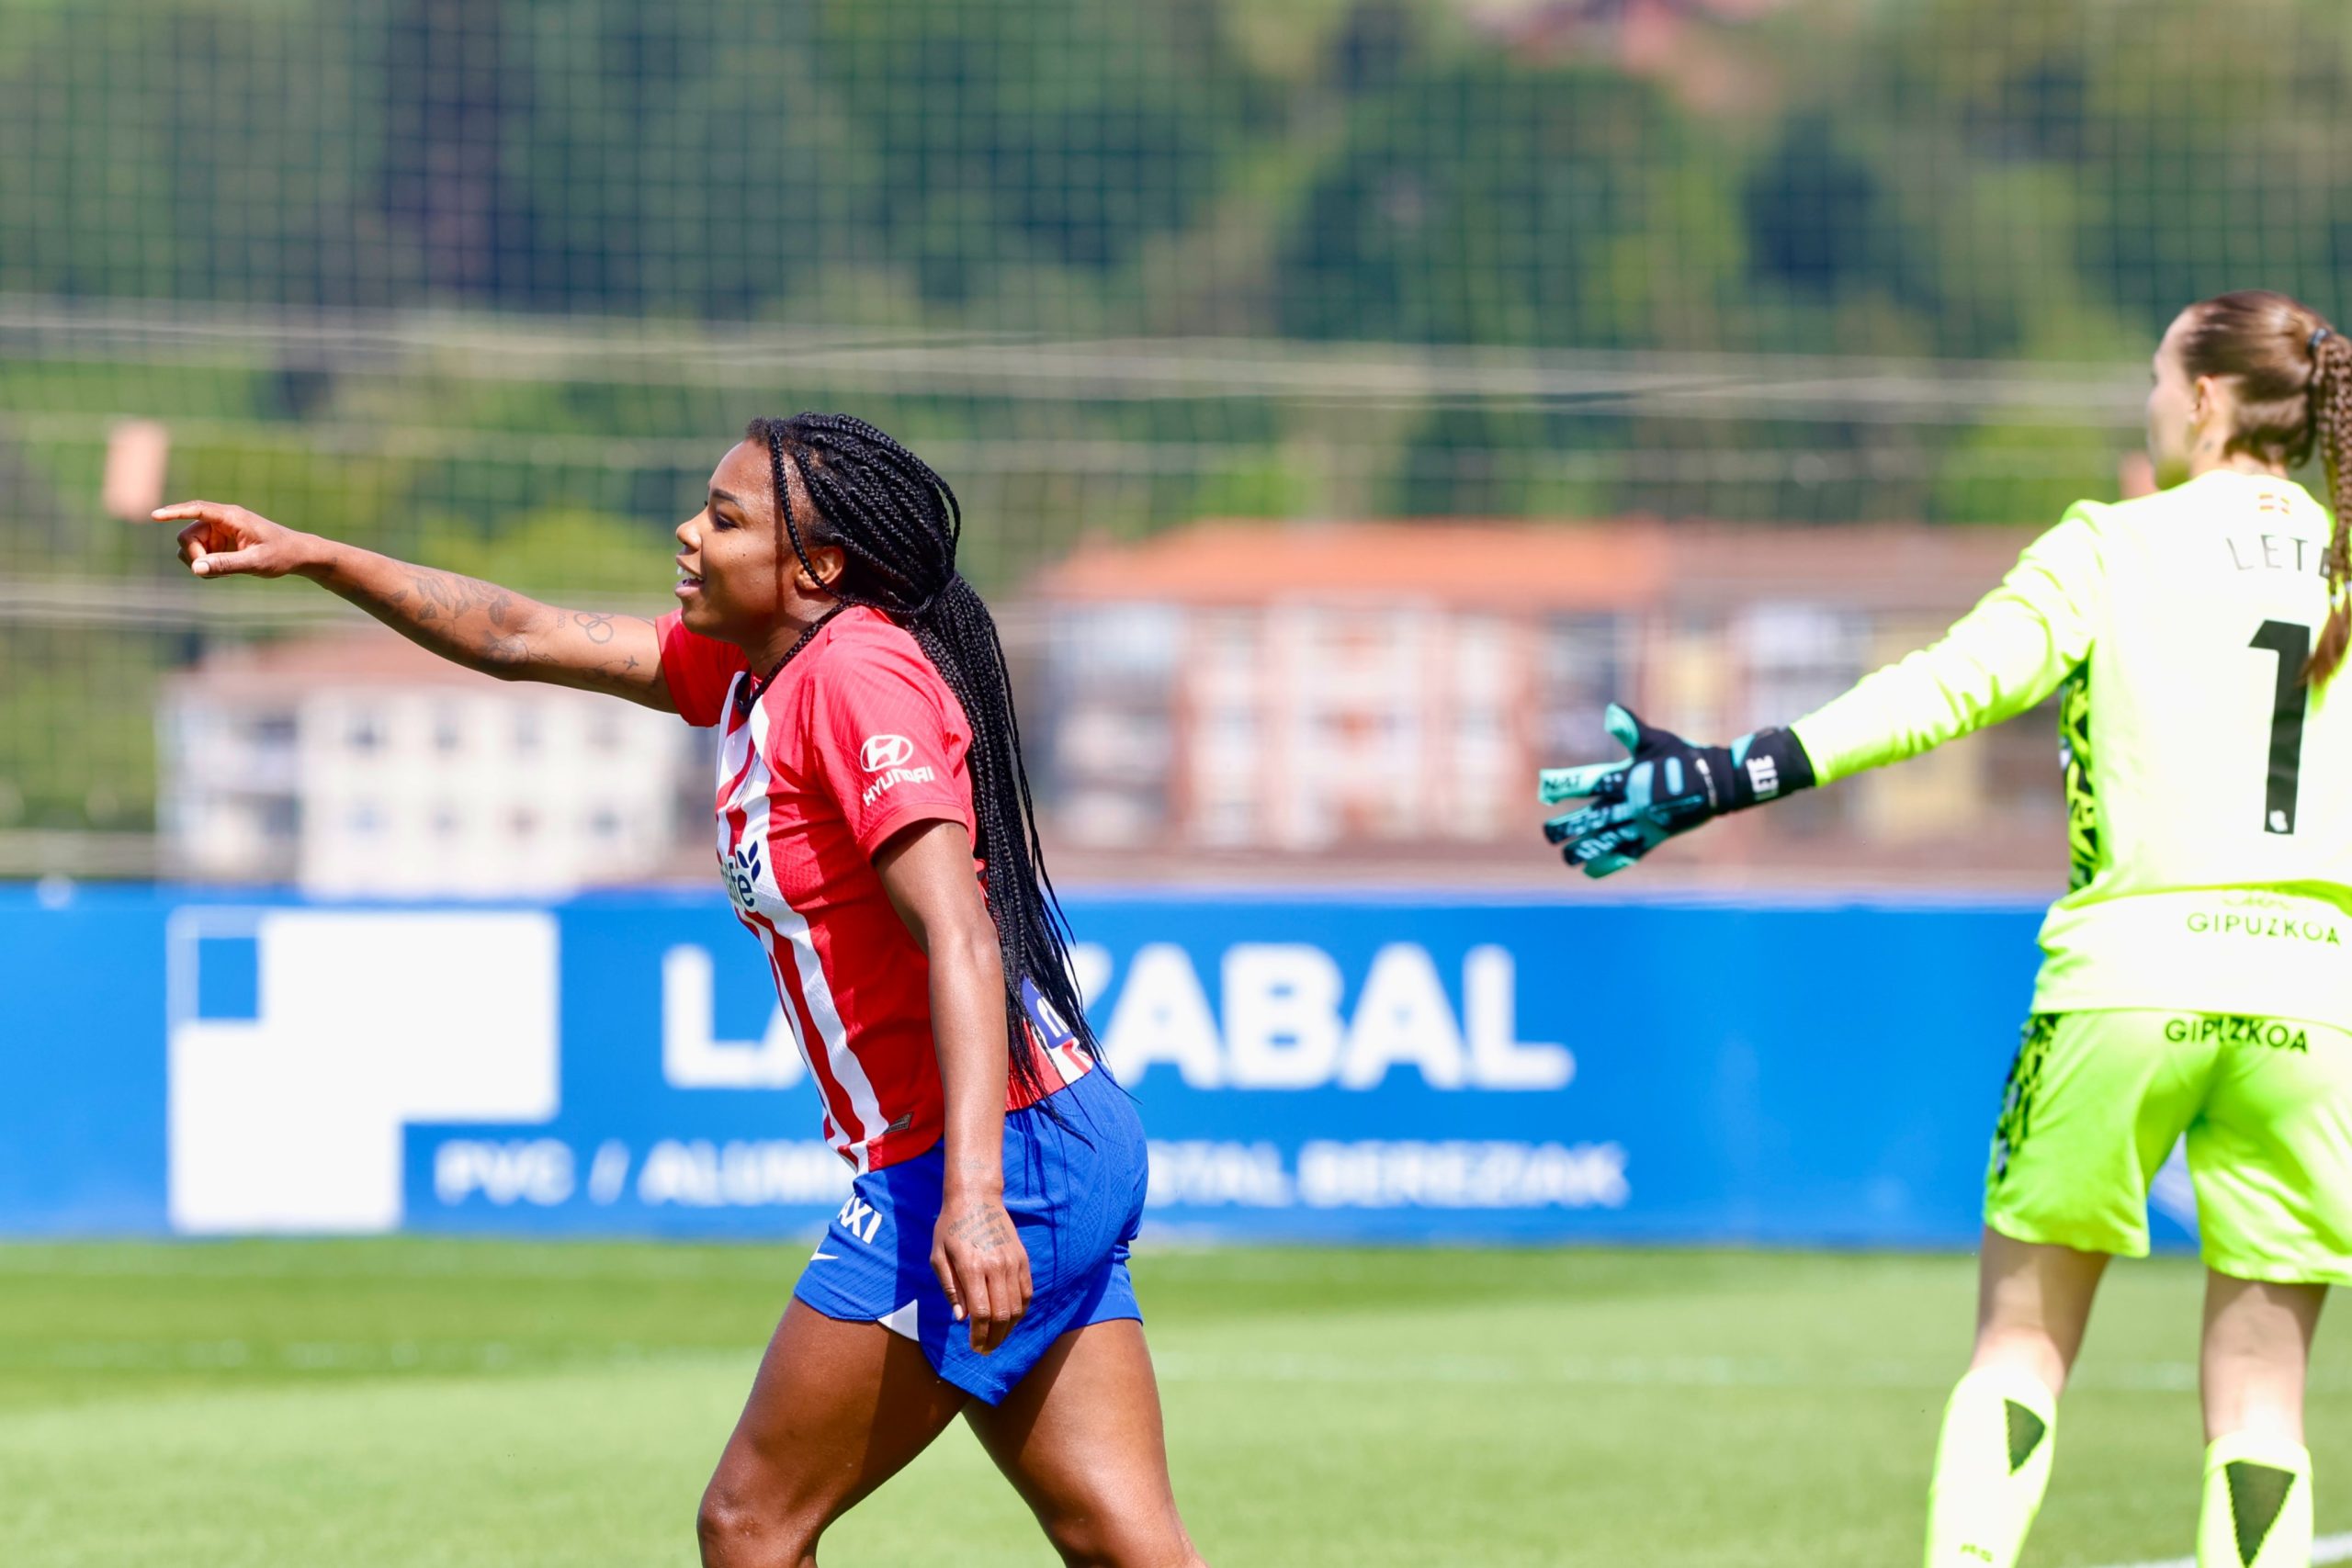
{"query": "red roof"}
(1637, 564)
(1494, 565)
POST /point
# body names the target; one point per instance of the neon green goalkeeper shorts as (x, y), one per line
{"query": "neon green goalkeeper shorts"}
(2096, 1101)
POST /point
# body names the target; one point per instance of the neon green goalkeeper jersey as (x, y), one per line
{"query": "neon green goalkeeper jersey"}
(2209, 789)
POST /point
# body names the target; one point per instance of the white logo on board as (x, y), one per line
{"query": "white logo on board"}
(882, 752)
(1285, 1022)
(289, 1119)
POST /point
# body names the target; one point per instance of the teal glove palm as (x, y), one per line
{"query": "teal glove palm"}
(1666, 788)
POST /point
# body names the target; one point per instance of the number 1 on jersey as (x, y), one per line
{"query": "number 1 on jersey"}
(2293, 700)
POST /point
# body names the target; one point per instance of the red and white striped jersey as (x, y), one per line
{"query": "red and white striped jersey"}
(856, 738)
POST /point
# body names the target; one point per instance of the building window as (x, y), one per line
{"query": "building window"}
(1583, 663)
(1797, 657)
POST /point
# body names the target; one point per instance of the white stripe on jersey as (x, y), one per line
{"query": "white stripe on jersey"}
(734, 742)
(734, 762)
(865, 1121)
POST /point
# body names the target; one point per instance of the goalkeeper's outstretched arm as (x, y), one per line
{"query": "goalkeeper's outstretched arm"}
(2003, 657)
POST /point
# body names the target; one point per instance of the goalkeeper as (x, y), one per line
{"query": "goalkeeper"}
(2197, 979)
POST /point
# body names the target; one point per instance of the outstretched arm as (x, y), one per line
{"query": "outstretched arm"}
(2016, 647)
(2008, 653)
(463, 619)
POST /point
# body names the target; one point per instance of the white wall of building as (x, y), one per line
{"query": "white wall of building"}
(378, 787)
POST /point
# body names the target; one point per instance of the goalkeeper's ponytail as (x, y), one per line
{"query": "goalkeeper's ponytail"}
(2332, 422)
(2292, 376)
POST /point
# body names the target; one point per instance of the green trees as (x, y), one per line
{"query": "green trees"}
(1388, 254)
(1490, 201)
(1366, 169)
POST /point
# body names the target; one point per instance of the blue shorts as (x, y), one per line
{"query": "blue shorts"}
(1075, 1191)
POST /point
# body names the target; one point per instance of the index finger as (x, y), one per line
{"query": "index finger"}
(191, 510)
(943, 1268)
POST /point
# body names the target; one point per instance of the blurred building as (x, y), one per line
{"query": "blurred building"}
(1265, 697)
(362, 764)
(1230, 700)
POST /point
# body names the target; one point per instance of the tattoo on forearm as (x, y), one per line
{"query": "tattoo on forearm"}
(446, 601)
(491, 627)
(446, 593)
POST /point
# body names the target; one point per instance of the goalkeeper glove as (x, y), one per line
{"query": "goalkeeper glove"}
(1667, 786)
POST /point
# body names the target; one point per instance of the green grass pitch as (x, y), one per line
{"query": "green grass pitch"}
(424, 1403)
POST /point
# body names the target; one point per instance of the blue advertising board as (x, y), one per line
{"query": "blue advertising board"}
(1333, 1066)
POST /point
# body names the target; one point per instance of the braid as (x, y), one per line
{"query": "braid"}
(2332, 425)
(2290, 377)
(897, 524)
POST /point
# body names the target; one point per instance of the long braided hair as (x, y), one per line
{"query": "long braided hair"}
(2332, 425)
(897, 524)
(2293, 373)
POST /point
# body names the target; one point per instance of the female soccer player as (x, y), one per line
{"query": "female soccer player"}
(2195, 979)
(870, 787)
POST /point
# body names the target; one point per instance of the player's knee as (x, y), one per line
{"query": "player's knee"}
(724, 1529)
(1100, 1538)
(1081, 1547)
(736, 1530)
(2024, 1350)
(1165, 1555)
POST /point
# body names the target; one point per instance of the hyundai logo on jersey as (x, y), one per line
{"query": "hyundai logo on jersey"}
(882, 752)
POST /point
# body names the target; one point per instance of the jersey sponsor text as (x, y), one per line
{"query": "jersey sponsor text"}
(2239, 1030)
(2277, 927)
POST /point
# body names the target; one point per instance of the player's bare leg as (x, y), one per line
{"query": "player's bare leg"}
(2257, 1346)
(1080, 1439)
(2033, 1303)
(1993, 1459)
(837, 1409)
